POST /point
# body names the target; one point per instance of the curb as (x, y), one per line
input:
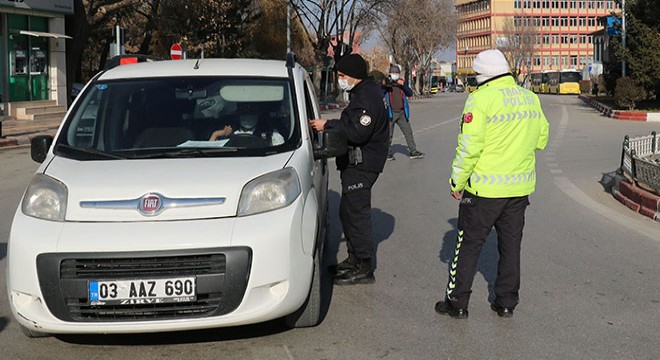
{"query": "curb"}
(22, 140)
(330, 107)
(620, 114)
(636, 199)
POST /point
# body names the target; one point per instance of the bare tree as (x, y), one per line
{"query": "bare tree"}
(325, 19)
(415, 31)
(518, 41)
(88, 27)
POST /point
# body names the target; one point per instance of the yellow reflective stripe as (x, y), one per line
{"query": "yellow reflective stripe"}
(503, 179)
(517, 115)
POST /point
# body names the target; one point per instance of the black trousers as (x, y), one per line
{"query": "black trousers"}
(476, 217)
(355, 210)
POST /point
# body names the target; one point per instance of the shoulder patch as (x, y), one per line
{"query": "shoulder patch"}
(365, 120)
(467, 118)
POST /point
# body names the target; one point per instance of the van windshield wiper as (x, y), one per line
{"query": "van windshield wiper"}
(184, 152)
(89, 153)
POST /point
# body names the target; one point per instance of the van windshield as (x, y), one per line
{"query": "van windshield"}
(177, 117)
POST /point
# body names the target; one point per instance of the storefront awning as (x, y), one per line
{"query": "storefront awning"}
(40, 34)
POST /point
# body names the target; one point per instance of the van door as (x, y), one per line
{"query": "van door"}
(320, 165)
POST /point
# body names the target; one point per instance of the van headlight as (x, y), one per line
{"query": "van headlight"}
(269, 192)
(45, 198)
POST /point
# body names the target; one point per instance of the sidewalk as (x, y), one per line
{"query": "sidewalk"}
(20, 132)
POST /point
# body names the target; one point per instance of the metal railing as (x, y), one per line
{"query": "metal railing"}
(640, 160)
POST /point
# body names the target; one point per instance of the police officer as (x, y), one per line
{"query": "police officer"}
(493, 173)
(365, 123)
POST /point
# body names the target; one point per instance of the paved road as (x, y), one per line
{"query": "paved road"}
(590, 266)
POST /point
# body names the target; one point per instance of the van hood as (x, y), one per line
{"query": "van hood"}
(158, 189)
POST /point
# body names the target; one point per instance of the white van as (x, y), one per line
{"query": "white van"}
(176, 195)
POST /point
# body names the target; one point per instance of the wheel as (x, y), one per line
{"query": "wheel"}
(309, 314)
(32, 333)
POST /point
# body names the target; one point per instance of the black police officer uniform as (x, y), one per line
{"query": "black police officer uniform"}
(365, 123)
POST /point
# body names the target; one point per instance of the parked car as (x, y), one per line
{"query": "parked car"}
(138, 221)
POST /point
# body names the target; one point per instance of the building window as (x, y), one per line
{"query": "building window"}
(582, 4)
(555, 39)
(537, 60)
(555, 61)
(574, 60)
(592, 21)
(555, 4)
(545, 21)
(564, 4)
(564, 39)
(517, 4)
(564, 21)
(573, 4)
(546, 61)
(546, 39)
(590, 4)
(583, 21)
(583, 39)
(564, 61)
(555, 21)
(574, 39)
(573, 21)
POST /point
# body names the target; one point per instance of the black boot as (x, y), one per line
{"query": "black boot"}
(350, 263)
(361, 274)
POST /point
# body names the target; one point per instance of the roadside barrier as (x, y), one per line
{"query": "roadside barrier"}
(639, 160)
(640, 164)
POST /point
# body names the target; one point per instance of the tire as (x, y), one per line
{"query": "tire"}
(31, 333)
(309, 314)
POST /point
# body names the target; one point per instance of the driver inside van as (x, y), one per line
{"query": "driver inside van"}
(249, 123)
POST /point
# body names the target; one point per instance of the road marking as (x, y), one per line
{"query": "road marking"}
(583, 199)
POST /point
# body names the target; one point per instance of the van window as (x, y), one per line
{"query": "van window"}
(166, 117)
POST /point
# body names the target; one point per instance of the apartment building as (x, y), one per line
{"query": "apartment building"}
(561, 31)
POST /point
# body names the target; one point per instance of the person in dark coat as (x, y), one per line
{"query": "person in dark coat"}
(365, 122)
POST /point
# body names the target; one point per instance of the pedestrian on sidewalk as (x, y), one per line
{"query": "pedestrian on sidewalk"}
(396, 97)
(364, 121)
(493, 174)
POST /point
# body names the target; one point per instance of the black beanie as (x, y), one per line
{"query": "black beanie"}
(353, 65)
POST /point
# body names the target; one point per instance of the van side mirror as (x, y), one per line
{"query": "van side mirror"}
(334, 144)
(39, 147)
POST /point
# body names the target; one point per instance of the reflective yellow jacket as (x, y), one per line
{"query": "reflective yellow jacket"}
(501, 128)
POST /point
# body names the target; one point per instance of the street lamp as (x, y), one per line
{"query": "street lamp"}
(623, 36)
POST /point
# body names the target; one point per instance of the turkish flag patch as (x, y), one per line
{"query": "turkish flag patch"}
(467, 118)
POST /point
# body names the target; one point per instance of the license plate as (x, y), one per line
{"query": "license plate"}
(142, 291)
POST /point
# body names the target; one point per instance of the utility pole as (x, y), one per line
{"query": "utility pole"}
(623, 36)
(288, 27)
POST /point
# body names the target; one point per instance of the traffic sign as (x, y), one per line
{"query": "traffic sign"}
(176, 52)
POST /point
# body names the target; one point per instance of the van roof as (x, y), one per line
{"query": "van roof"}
(205, 67)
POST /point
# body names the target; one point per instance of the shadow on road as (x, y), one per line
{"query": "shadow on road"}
(487, 264)
(3, 323)
(382, 227)
(3, 250)
(180, 337)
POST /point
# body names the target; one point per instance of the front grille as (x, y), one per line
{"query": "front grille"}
(92, 269)
(81, 311)
(221, 275)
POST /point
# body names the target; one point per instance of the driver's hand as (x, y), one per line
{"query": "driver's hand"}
(225, 132)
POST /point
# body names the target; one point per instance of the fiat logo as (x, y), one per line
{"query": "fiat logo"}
(150, 204)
